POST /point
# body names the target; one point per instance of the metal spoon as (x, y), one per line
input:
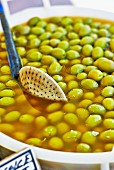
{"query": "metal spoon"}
(31, 79)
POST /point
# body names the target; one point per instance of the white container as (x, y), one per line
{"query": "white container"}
(56, 160)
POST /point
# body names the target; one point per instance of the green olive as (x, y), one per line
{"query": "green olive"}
(75, 94)
(46, 49)
(82, 113)
(51, 27)
(102, 42)
(71, 54)
(111, 29)
(3, 55)
(66, 21)
(71, 119)
(87, 61)
(2, 111)
(7, 93)
(81, 76)
(24, 61)
(2, 86)
(78, 26)
(108, 80)
(5, 69)
(54, 42)
(74, 62)
(21, 51)
(86, 40)
(107, 91)
(54, 68)
(41, 122)
(45, 42)
(74, 42)
(26, 118)
(85, 30)
(71, 136)
(33, 21)
(56, 20)
(93, 120)
(112, 44)
(89, 68)
(56, 143)
(37, 30)
(58, 35)
(85, 103)
(109, 54)
(64, 45)
(63, 85)
(89, 84)
(72, 35)
(69, 107)
(103, 32)
(45, 36)
(97, 52)
(62, 127)
(12, 116)
(7, 128)
(97, 109)
(96, 75)
(109, 114)
(53, 107)
(34, 141)
(89, 138)
(7, 101)
(106, 65)
(87, 50)
(21, 41)
(108, 103)
(34, 64)
(89, 95)
(33, 43)
(24, 29)
(58, 78)
(109, 123)
(83, 147)
(35, 56)
(107, 136)
(31, 36)
(42, 23)
(55, 116)
(48, 59)
(77, 68)
(109, 147)
(77, 48)
(88, 20)
(58, 53)
(49, 131)
(69, 28)
(72, 84)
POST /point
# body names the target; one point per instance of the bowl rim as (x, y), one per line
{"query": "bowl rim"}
(58, 156)
(57, 10)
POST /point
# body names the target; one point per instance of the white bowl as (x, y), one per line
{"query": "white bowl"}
(56, 160)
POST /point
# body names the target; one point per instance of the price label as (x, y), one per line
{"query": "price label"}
(23, 160)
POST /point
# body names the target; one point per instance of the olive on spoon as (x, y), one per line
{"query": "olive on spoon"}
(31, 79)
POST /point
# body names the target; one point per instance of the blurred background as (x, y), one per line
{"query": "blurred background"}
(18, 5)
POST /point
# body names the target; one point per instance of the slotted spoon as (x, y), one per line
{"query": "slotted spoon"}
(31, 79)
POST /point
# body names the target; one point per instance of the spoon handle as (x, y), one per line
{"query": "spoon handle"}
(13, 58)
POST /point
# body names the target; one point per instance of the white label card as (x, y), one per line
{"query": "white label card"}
(23, 160)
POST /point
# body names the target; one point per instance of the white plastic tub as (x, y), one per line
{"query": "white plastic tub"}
(55, 160)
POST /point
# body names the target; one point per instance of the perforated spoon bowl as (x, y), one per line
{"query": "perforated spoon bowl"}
(31, 79)
(40, 84)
